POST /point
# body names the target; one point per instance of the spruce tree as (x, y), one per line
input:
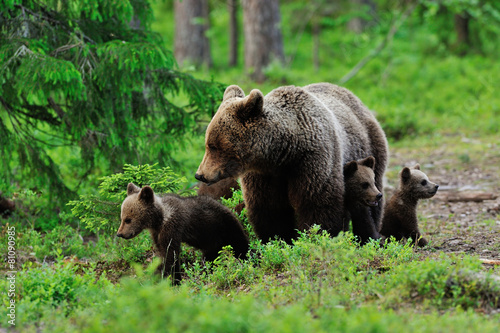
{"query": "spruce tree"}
(89, 78)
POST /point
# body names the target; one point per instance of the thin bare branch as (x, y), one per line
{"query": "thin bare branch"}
(390, 35)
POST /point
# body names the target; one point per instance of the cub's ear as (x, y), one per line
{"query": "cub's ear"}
(350, 168)
(251, 106)
(369, 162)
(147, 195)
(131, 189)
(233, 91)
(416, 166)
(405, 174)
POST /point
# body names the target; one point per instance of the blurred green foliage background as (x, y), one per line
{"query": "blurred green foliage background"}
(92, 97)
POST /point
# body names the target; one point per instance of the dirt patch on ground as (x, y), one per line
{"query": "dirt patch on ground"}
(470, 172)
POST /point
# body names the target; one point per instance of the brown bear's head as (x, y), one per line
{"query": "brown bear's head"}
(416, 184)
(138, 211)
(359, 179)
(228, 139)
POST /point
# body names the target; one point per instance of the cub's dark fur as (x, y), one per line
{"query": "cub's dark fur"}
(400, 213)
(361, 194)
(199, 221)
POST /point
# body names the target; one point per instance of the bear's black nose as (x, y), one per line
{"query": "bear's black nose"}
(119, 235)
(437, 186)
(201, 178)
(379, 196)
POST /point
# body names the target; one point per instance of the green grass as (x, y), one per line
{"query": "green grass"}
(320, 284)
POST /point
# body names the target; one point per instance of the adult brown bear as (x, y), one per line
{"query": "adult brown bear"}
(289, 148)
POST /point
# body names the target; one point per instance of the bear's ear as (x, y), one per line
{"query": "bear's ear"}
(368, 162)
(131, 189)
(405, 174)
(233, 91)
(147, 195)
(251, 106)
(417, 166)
(350, 168)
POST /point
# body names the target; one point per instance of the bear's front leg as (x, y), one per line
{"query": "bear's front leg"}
(319, 203)
(269, 210)
(169, 248)
(329, 218)
(417, 238)
(363, 224)
(380, 166)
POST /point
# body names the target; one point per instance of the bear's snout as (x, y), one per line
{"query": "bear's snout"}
(375, 201)
(201, 178)
(125, 236)
(435, 189)
(208, 181)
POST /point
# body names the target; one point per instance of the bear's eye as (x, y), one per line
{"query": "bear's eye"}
(212, 148)
(365, 186)
(127, 220)
(423, 182)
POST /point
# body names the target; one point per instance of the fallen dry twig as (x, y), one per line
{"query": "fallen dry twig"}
(490, 261)
(465, 196)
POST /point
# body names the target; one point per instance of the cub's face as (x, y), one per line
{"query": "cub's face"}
(359, 179)
(417, 183)
(226, 137)
(135, 211)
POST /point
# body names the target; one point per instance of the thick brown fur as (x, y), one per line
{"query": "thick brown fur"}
(361, 194)
(289, 149)
(222, 189)
(199, 221)
(7, 206)
(400, 213)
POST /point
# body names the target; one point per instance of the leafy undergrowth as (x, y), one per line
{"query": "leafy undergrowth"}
(318, 284)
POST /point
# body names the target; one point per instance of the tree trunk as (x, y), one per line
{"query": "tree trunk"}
(232, 7)
(263, 39)
(358, 24)
(316, 30)
(462, 31)
(191, 24)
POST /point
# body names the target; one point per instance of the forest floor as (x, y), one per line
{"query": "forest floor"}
(461, 223)
(456, 219)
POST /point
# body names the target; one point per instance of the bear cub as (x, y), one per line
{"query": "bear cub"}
(361, 194)
(199, 221)
(400, 213)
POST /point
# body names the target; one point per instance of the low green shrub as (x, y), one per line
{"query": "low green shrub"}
(61, 288)
(322, 284)
(101, 213)
(450, 281)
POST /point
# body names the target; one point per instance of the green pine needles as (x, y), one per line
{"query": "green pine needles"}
(88, 82)
(101, 212)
